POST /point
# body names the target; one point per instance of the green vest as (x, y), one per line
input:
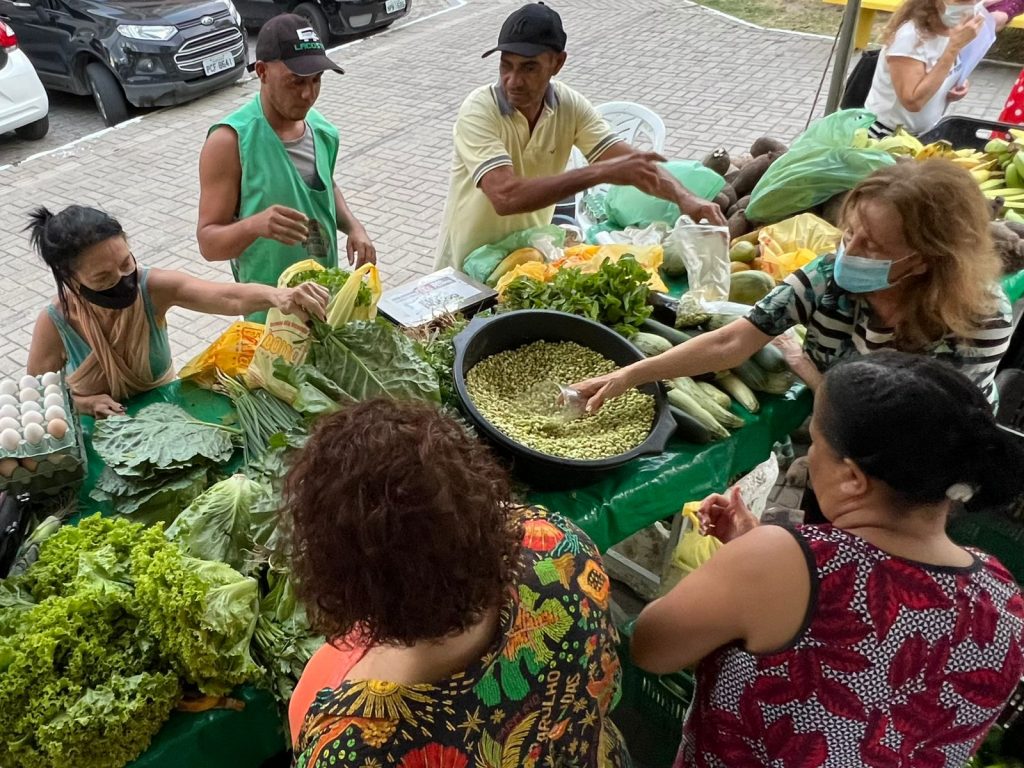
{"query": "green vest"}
(269, 177)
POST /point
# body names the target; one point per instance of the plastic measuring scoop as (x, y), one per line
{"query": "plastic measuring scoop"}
(556, 401)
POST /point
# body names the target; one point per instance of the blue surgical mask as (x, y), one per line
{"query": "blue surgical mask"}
(858, 274)
(957, 14)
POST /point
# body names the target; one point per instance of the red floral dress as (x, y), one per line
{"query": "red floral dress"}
(899, 665)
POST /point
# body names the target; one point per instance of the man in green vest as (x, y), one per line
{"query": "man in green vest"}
(267, 195)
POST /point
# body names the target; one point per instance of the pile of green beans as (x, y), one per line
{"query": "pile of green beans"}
(502, 388)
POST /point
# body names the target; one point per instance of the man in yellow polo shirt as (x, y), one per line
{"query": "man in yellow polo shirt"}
(513, 140)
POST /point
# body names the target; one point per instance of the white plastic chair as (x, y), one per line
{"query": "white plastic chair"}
(636, 124)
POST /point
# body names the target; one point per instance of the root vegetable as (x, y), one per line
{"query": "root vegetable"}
(767, 144)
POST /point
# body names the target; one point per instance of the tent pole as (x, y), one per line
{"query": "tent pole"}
(844, 52)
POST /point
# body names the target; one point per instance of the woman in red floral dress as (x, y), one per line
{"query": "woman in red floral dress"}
(875, 640)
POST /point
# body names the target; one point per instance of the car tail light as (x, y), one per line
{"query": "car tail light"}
(7, 37)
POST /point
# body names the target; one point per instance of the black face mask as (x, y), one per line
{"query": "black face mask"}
(120, 296)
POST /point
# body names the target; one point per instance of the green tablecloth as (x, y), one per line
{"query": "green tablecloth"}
(627, 500)
(650, 488)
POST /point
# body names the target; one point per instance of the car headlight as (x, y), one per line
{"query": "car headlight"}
(235, 15)
(147, 31)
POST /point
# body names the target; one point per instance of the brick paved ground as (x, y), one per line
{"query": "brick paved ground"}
(714, 81)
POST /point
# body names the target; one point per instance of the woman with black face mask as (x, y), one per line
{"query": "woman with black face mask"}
(107, 326)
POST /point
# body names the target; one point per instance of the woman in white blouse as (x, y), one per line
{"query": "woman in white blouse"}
(919, 69)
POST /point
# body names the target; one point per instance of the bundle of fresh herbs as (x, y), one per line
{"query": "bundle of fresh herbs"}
(615, 295)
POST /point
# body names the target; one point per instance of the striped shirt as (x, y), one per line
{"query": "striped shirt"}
(841, 324)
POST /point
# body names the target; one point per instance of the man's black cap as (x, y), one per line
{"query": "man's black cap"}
(290, 38)
(531, 31)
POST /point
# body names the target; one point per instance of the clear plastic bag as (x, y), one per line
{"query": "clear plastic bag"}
(629, 207)
(704, 250)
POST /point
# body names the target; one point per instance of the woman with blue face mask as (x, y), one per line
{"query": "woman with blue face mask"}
(916, 271)
(919, 69)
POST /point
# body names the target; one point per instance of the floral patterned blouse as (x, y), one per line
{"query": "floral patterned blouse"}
(840, 324)
(539, 697)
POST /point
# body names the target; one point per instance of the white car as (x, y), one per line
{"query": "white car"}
(23, 102)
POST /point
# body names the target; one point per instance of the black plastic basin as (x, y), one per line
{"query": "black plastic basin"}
(485, 337)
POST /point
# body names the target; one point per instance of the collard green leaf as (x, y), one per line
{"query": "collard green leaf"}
(367, 359)
(160, 436)
(159, 494)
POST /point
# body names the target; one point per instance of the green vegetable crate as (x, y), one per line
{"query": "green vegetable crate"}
(659, 702)
(51, 463)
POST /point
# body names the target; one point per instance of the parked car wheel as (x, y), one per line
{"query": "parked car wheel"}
(107, 94)
(312, 13)
(34, 131)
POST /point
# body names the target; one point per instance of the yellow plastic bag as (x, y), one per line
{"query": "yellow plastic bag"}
(693, 549)
(795, 242)
(230, 354)
(287, 336)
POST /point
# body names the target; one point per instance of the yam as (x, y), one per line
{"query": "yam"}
(718, 161)
(730, 177)
(833, 208)
(738, 225)
(1014, 226)
(742, 161)
(767, 144)
(752, 174)
(722, 201)
(730, 193)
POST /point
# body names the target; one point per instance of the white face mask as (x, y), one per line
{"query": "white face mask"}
(957, 14)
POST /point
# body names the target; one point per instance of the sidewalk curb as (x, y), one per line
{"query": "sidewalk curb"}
(453, 5)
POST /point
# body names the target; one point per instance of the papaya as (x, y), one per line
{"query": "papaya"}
(750, 287)
(513, 260)
(738, 266)
(743, 252)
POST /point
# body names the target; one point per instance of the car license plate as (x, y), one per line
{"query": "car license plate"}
(219, 63)
(393, 6)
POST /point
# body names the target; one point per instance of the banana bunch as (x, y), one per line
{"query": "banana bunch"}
(1009, 186)
(900, 143)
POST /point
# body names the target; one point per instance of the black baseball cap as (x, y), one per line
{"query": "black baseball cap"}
(290, 38)
(532, 30)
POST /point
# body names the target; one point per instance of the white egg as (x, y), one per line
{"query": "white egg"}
(34, 433)
(7, 467)
(50, 400)
(9, 411)
(50, 377)
(57, 428)
(53, 389)
(8, 422)
(32, 417)
(29, 405)
(10, 439)
(29, 382)
(8, 400)
(8, 387)
(28, 395)
(55, 412)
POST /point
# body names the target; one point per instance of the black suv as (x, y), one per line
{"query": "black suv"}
(151, 53)
(328, 18)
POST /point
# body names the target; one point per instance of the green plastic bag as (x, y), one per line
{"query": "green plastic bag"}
(629, 207)
(1014, 286)
(820, 164)
(481, 262)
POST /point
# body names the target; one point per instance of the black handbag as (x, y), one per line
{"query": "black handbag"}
(12, 530)
(858, 84)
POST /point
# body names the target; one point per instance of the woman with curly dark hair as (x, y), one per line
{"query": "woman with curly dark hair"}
(463, 628)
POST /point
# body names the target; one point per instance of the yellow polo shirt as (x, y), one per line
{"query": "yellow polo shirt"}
(489, 133)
